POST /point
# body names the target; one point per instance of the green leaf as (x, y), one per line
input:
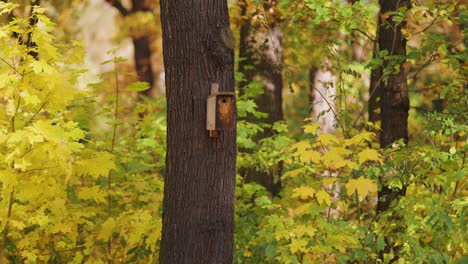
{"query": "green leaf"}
(380, 243)
(138, 87)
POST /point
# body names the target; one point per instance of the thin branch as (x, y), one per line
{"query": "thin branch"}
(429, 26)
(118, 5)
(366, 35)
(11, 66)
(37, 112)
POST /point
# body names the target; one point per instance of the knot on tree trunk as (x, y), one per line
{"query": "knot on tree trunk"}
(219, 48)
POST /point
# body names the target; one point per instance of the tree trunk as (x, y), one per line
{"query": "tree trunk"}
(198, 206)
(262, 59)
(141, 45)
(142, 50)
(394, 102)
(143, 67)
(323, 95)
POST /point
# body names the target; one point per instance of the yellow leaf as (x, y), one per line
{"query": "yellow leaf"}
(95, 167)
(333, 160)
(328, 181)
(93, 193)
(61, 228)
(42, 67)
(362, 186)
(303, 192)
(50, 132)
(294, 173)
(302, 230)
(361, 137)
(302, 146)
(8, 178)
(310, 156)
(107, 229)
(311, 128)
(327, 139)
(323, 198)
(369, 154)
(298, 245)
(303, 209)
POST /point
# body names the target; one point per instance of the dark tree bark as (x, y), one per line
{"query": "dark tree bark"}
(261, 54)
(141, 45)
(32, 22)
(198, 207)
(143, 67)
(311, 92)
(394, 103)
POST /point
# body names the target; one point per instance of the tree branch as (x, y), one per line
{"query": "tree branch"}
(118, 5)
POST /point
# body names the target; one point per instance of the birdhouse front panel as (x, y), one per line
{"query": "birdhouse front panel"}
(225, 112)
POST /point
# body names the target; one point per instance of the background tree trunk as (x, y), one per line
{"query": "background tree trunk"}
(262, 59)
(198, 210)
(141, 45)
(323, 93)
(142, 50)
(394, 102)
(143, 67)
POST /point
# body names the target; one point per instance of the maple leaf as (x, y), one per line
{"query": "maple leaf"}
(369, 154)
(302, 146)
(362, 186)
(294, 173)
(311, 128)
(302, 230)
(303, 192)
(93, 193)
(95, 167)
(107, 228)
(310, 156)
(327, 139)
(298, 245)
(357, 139)
(323, 198)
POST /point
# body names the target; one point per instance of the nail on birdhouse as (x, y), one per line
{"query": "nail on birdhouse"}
(220, 115)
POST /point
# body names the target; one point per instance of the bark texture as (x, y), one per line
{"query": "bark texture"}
(143, 67)
(394, 102)
(261, 53)
(198, 207)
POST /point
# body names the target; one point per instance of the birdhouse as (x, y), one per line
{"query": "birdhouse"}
(220, 111)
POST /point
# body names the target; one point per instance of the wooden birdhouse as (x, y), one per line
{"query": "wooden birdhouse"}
(220, 111)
